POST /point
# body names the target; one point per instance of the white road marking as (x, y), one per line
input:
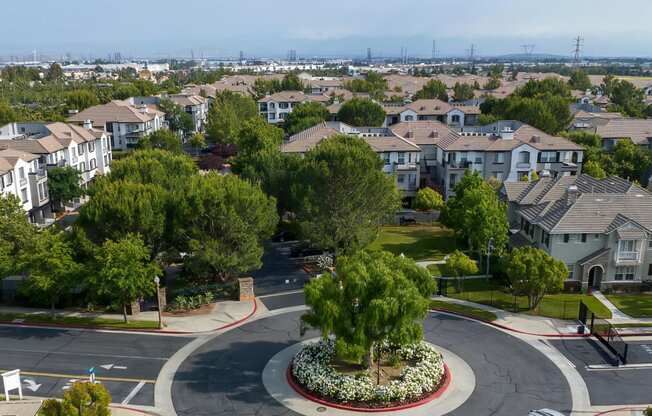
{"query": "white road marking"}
(133, 393)
(31, 384)
(134, 357)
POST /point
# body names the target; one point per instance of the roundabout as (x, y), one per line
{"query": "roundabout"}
(243, 372)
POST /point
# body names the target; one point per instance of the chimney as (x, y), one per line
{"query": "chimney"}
(571, 195)
(544, 174)
(408, 135)
(535, 139)
(143, 109)
(434, 134)
(507, 133)
(88, 124)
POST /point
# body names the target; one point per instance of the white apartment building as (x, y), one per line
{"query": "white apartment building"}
(275, 107)
(195, 105)
(125, 123)
(22, 176)
(432, 110)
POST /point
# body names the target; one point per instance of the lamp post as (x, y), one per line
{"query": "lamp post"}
(158, 301)
(490, 247)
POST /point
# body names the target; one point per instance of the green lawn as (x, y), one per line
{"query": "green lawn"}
(636, 306)
(78, 321)
(419, 242)
(463, 309)
(488, 292)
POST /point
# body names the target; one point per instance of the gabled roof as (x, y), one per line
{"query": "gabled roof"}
(637, 130)
(115, 111)
(293, 97)
(11, 156)
(428, 132)
(185, 100)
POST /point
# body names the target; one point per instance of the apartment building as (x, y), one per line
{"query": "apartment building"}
(601, 229)
(507, 151)
(433, 110)
(612, 127)
(62, 144)
(195, 105)
(275, 107)
(21, 175)
(125, 123)
(401, 156)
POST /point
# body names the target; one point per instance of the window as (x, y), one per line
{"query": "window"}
(412, 179)
(93, 164)
(272, 116)
(455, 119)
(463, 157)
(80, 149)
(82, 167)
(283, 105)
(409, 118)
(548, 157)
(584, 238)
(626, 245)
(649, 269)
(524, 157)
(500, 157)
(566, 238)
(649, 244)
(23, 195)
(386, 158)
(91, 146)
(478, 160)
(401, 158)
(571, 269)
(9, 178)
(400, 178)
(283, 116)
(624, 273)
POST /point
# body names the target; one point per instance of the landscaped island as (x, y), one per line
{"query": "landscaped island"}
(402, 376)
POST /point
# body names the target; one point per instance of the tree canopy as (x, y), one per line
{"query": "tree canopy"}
(163, 139)
(374, 84)
(225, 116)
(459, 264)
(64, 184)
(16, 234)
(343, 195)
(428, 199)
(463, 92)
(374, 297)
(534, 273)
(579, 80)
(305, 115)
(176, 116)
(433, 89)
(360, 112)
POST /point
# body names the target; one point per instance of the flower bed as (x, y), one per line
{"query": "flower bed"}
(311, 369)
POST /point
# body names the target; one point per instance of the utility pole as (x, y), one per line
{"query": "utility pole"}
(579, 41)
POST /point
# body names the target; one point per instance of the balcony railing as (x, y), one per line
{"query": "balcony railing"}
(628, 256)
(522, 165)
(464, 164)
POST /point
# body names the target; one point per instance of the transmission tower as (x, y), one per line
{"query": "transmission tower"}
(434, 50)
(579, 42)
(471, 51)
(528, 49)
(369, 55)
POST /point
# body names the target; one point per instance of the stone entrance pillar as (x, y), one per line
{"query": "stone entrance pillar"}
(246, 285)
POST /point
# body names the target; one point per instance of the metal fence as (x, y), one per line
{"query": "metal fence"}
(604, 332)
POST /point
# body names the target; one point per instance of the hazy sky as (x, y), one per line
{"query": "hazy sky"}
(266, 27)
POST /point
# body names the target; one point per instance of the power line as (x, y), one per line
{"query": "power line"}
(579, 42)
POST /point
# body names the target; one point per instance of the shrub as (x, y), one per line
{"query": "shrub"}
(188, 303)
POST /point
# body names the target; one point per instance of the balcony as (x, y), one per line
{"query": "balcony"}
(405, 166)
(463, 164)
(628, 257)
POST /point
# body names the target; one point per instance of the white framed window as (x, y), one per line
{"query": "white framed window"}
(625, 273)
(524, 157)
(401, 158)
(91, 146)
(649, 244)
(80, 150)
(548, 157)
(23, 195)
(400, 179)
(386, 158)
(500, 157)
(93, 164)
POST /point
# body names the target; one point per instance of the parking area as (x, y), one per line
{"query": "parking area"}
(608, 384)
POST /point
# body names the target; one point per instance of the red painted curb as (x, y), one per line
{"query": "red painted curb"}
(149, 331)
(131, 409)
(305, 394)
(620, 409)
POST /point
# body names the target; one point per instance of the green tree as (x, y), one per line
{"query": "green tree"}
(50, 266)
(360, 112)
(343, 195)
(463, 92)
(227, 219)
(16, 234)
(155, 167)
(81, 399)
(534, 273)
(579, 80)
(7, 114)
(64, 185)
(428, 199)
(594, 169)
(81, 99)
(496, 71)
(584, 138)
(163, 139)
(118, 208)
(198, 142)
(225, 116)
(433, 89)
(492, 84)
(476, 214)
(124, 91)
(631, 160)
(54, 73)
(374, 297)
(291, 82)
(125, 271)
(459, 264)
(626, 98)
(305, 115)
(177, 118)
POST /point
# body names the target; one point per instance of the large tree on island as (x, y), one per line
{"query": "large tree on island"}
(361, 112)
(124, 271)
(374, 297)
(476, 214)
(534, 273)
(342, 194)
(226, 221)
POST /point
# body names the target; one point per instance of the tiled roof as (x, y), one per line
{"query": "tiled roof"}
(114, 111)
(638, 130)
(187, 99)
(11, 157)
(424, 132)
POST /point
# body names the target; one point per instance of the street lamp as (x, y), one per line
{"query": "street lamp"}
(490, 247)
(158, 300)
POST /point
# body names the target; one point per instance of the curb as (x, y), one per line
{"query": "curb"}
(620, 409)
(306, 395)
(134, 330)
(131, 409)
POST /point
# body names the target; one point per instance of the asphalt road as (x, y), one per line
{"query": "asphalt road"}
(617, 386)
(279, 273)
(53, 358)
(223, 377)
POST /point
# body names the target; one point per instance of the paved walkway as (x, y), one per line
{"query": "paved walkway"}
(222, 314)
(617, 316)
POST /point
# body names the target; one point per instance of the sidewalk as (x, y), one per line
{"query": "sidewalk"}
(223, 313)
(527, 324)
(618, 317)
